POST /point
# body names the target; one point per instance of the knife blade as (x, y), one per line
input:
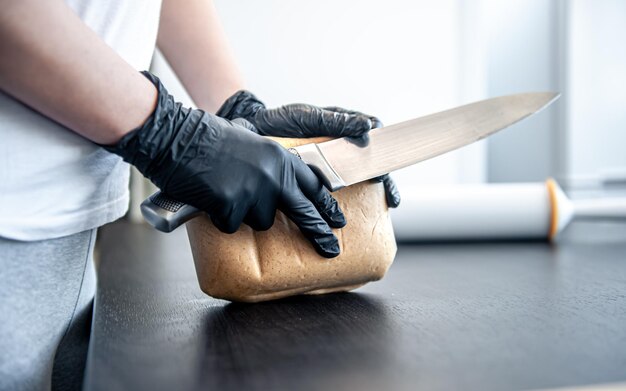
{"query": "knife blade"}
(343, 162)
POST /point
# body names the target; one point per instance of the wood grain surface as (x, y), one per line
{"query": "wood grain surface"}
(491, 316)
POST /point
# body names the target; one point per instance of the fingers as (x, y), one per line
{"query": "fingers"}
(392, 194)
(228, 218)
(376, 123)
(302, 212)
(342, 124)
(245, 123)
(261, 217)
(300, 120)
(314, 190)
(312, 214)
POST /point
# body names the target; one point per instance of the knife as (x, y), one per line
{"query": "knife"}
(343, 162)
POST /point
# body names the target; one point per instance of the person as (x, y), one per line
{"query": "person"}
(74, 107)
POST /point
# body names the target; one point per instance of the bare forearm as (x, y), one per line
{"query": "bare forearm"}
(51, 61)
(192, 40)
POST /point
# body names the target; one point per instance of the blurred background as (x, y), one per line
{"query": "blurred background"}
(403, 59)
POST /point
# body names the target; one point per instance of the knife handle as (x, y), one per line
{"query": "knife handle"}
(165, 213)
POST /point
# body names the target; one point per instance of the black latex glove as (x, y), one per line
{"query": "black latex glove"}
(301, 120)
(233, 174)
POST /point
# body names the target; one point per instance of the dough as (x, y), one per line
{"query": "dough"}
(252, 266)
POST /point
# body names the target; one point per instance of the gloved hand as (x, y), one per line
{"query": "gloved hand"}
(233, 174)
(302, 120)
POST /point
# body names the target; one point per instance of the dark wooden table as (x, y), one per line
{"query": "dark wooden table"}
(490, 316)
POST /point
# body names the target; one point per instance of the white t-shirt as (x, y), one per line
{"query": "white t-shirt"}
(53, 182)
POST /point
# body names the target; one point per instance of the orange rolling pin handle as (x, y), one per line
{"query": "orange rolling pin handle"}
(553, 229)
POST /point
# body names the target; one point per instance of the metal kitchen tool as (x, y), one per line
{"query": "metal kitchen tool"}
(342, 162)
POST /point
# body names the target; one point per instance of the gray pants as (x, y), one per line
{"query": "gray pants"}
(46, 294)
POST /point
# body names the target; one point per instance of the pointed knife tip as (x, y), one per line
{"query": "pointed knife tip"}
(548, 96)
(552, 96)
(544, 99)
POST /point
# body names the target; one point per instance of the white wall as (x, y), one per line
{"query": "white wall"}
(522, 55)
(575, 47)
(596, 90)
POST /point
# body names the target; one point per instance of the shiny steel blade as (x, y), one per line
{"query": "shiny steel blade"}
(406, 143)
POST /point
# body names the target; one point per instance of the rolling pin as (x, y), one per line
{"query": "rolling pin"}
(495, 211)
